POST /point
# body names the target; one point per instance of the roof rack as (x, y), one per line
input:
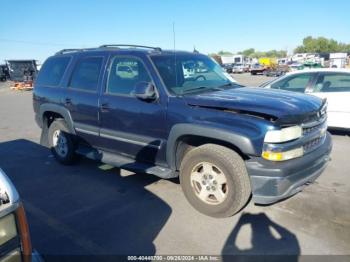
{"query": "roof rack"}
(65, 51)
(137, 46)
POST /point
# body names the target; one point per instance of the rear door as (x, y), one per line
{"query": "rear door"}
(81, 96)
(336, 88)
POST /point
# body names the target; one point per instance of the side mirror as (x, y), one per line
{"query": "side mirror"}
(145, 91)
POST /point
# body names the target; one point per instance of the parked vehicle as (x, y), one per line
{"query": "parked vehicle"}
(22, 70)
(15, 241)
(228, 68)
(338, 60)
(276, 71)
(332, 84)
(257, 69)
(4, 73)
(226, 142)
(295, 67)
(228, 59)
(268, 62)
(238, 68)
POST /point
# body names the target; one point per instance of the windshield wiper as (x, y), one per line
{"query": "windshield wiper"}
(191, 90)
(213, 88)
(231, 84)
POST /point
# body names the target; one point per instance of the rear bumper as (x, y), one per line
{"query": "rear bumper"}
(273, 181)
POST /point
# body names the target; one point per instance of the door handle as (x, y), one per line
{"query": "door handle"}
(67, 101)
(105, 107)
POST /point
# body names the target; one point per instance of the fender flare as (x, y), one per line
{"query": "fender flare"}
(244, 143)
(59, 110)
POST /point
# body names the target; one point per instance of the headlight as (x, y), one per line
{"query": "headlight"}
(283, 135)
(283, 156)
(8, 229)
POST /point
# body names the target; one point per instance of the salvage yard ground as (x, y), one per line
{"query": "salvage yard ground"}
(91, 208)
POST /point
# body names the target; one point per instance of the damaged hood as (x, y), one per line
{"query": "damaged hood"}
(281, 106)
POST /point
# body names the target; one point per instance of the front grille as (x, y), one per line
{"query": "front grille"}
(312, 144)
(314, 134)
(308, 130)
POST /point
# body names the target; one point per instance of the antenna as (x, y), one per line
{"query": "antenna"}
(175, 64)
(174, 36)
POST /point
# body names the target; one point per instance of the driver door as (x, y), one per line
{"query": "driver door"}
(130, 126)
(296, 83)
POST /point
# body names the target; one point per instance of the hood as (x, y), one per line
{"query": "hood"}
(283, 107)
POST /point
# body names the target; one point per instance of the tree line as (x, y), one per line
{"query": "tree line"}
(322, 45)
(310, 45)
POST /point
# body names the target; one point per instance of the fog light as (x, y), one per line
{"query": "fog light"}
(283, 156)
(8, 229)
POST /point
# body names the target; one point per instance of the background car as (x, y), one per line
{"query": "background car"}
(238, 68)
(332, 84)
(228, 68)
(257, 69)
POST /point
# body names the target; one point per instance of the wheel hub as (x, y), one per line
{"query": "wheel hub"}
(60, 143)
(209, 183)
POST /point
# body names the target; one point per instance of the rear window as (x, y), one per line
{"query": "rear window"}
(52, 71)
(86, 74)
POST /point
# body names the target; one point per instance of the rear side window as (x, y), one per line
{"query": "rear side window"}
(86, 74)
(295, 83)
(335, 82)
(52, 71)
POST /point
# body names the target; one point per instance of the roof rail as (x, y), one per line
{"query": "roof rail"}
(65, 51)
(137, 46)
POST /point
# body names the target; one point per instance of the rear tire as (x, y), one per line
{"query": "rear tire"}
(214, 180)
(61, 142)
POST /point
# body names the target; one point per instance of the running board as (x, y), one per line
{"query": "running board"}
(125, 162)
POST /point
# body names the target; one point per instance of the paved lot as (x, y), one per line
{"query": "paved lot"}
(92, 208)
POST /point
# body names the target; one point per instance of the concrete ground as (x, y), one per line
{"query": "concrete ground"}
(91, 208)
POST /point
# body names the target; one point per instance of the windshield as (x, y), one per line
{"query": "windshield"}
(188, 73)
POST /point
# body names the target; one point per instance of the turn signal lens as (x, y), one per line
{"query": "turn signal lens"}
(283, 156)
(24, 233)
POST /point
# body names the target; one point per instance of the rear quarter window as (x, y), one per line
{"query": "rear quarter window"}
(52, 71)
(333, 82)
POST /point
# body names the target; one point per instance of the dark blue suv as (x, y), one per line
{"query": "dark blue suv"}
(175, 113)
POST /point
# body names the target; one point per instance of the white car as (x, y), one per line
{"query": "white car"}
(238, 68)
(330, 83)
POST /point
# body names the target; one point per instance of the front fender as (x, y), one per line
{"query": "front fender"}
(243, 142)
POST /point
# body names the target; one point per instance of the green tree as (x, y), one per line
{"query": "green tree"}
(251, 52)
(224, 53)
(248, 52)
(321, 45)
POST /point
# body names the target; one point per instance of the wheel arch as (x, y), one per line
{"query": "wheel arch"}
(183, 136)
(56, 111)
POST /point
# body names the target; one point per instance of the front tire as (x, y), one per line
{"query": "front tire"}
(214, 180)
(61, 142)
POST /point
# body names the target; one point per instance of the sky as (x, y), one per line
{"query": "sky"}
(37, 29)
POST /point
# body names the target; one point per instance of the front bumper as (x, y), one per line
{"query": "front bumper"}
(36, 257)
(273, 181)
